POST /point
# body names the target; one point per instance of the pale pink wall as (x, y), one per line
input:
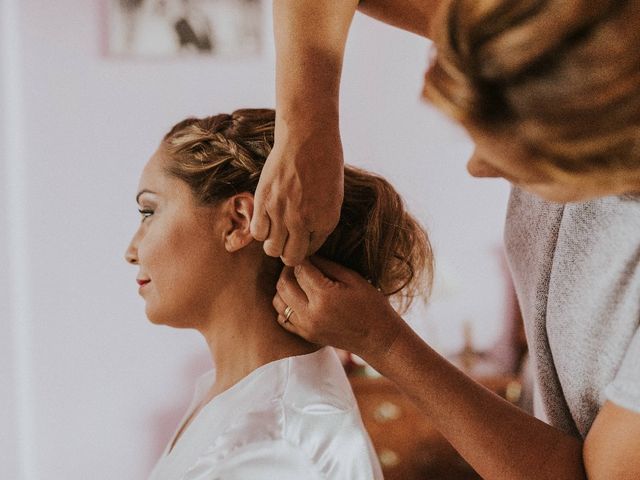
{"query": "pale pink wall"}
(9, 431)
(6, 360)
(8, 424)
(107, 385)
(387, 128)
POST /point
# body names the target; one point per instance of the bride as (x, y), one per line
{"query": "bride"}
(274, 406)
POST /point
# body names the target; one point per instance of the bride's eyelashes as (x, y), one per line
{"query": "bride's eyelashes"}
(145, 213)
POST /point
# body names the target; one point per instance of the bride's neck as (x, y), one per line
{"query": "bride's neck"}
(244, 334)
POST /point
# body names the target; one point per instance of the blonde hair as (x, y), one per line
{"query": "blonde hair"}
(222, 155)
(563, 76)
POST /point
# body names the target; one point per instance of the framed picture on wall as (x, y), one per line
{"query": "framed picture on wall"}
(175, 28)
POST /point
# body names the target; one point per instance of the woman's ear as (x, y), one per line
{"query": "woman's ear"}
(240, 211)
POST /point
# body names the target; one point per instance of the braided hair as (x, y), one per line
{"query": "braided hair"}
(223, 155)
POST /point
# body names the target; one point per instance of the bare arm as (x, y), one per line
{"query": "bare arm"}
(499, 440)
(412, 15)
(300, 191)
(310, 37)
(496, 438)
(298, 198)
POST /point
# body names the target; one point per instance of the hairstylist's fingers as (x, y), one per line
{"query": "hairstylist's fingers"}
(310, 278)
(278, 233)
(279, 304)
(260, 221)
(289, 325)
(295, 249)
(290, 292)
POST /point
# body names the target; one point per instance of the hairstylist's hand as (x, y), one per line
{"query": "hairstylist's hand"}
(333, 305)
(299, 195)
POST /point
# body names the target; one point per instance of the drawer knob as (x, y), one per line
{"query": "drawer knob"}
(388, 458)
(513, 391)
(386, 412)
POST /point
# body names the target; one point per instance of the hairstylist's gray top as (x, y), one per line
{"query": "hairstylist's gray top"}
(576, 269)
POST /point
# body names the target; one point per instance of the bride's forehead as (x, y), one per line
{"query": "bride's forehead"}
(153, 170)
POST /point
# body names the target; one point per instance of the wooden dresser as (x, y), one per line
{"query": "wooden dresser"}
(408, 446)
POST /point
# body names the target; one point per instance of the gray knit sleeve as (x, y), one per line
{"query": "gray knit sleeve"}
(625, 388)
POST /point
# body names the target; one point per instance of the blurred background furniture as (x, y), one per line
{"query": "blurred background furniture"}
(408, 446)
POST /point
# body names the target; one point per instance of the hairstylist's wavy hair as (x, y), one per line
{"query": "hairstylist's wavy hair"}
(563, 76)
(222, 155)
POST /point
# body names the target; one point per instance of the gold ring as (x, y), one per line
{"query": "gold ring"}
(287, 313)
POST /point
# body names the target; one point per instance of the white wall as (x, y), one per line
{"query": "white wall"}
(108, 386)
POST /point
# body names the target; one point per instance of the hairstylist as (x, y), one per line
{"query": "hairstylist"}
(550, 93)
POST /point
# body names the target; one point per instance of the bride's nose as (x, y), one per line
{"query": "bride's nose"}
(131, 254)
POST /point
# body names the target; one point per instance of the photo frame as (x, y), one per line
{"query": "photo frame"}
(183, 28)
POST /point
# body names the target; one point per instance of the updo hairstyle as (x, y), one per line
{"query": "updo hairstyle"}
(223, 155)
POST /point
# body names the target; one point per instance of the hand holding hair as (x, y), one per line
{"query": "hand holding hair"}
(298, 197)
(297, 202)
(333, 305)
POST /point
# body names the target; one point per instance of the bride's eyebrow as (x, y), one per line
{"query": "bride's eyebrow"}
(141, 192)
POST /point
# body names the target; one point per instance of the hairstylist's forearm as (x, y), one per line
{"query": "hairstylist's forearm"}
(499, 440)
(411, 15)
(310, 38)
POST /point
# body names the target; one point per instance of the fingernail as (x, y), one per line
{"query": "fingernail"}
(297, 269)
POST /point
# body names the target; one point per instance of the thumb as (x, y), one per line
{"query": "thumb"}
(310, 278)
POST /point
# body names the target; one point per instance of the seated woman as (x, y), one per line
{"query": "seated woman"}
(275, 406)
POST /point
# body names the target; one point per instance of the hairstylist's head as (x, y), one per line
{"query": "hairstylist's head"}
(548, 89)
(194, 242)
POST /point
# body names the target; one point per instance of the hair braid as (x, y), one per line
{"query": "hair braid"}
(215, 158)
(223, 155)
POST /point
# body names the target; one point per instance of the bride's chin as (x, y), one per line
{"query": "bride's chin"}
(154, 321)
(154, 316)
(173, 319)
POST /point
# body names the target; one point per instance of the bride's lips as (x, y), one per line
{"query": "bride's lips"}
(142, 281)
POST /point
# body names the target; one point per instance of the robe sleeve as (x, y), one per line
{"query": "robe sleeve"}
(268, 460)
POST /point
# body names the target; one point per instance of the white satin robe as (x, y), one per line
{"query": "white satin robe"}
(291, 419)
